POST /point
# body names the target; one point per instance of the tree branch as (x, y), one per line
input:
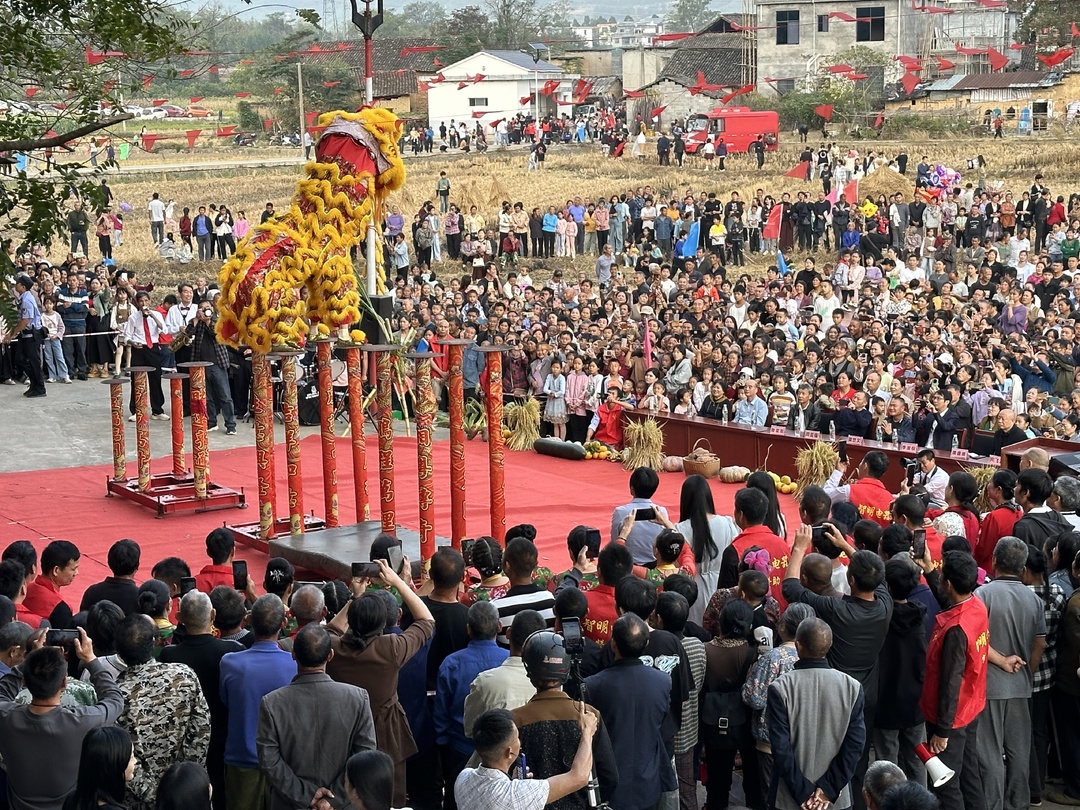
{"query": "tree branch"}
(32, 144)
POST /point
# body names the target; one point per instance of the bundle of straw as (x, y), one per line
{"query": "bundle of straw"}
(523, 421)
(644, 445)
(982, 476)
(815, 464)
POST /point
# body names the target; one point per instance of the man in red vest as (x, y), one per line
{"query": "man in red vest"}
(867, 494)
(954, 692)
(751, 506)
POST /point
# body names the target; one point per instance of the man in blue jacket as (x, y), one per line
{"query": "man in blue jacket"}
(1037, 374)
(74, 307)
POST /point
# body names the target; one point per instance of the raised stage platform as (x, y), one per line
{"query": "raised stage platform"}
(331, 552)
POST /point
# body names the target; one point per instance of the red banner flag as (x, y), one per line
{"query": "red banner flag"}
(146, 82)
(479, 113)
(656, 111)
(843, 16)
(1057, 57)
(633, 94)
(424, 49)
(838, 69)
(148, 141)
(524, 101)
(879, 120)
(998, 60)
(187, 74)
(824, 110)
(331, 84)
(192, 136)
(32, 91)
(776, 215)
(197, 99)
(243, 95)
(157, 102)
(945, 64)
(310, 117)
(550, 86)
(268, 123)
(226, 132)
(851, 191)
(798, 172)
(746, 88)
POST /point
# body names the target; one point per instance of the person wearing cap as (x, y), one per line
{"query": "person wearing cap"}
(30, 336)
(548, 725)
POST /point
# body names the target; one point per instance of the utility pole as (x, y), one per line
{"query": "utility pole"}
(300, 100)
(367, 23)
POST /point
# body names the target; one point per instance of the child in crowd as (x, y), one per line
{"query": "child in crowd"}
(555, 409)
(53, 325)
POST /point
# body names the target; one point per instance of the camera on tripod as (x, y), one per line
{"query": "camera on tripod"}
(573, 640)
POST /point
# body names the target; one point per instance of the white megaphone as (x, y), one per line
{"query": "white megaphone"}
(937, 772)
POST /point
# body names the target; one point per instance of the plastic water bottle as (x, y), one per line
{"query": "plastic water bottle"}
(880, 434)
(832, 431)
(896, 437)
(798, 420)
(723, 416)
(955, 442)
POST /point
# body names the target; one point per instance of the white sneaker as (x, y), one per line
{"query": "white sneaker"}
(215, 427)
(65, 380)
(50, 379)
(160, 417)
(132, 418)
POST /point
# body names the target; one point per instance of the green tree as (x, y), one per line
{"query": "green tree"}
(466, 32)
(689, 15)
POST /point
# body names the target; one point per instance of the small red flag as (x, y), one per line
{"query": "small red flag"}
(746, 88)
(247, 61)
(479, 113)
(310, 117)
(998, 60)
(192, 136)
(331, 84)
(279, 90)
(879, 120)
(656, 111)
(776, 215)
(157, 102)
(910, 81)
(243, 95)
(424, 49)
(838, 69)
(851, 190)
(798, 172)
(526, 100)
(32, 91)
(855, 77)
(945, 64)
(633, 94)
(226, 132)
(149, 141)
(841, 15)
(146, 82)
(268, 123)
(824, 110)
(197, 99)
(187, 74)
(1057, 57)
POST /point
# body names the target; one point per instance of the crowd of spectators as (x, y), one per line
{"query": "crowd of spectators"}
(815, 663)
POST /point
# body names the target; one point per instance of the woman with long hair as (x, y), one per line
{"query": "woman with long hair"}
(728, 660)
(709, 535)
(960, 515)
(185, 786)
(369, 654)
(369, 780)
(774, 518)
(106, 765)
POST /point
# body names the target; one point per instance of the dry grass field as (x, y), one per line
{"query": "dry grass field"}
(486, 180)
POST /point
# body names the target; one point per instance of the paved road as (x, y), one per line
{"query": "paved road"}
(70, 427)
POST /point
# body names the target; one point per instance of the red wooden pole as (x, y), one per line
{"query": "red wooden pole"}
(264, 444)
(356, 431)
(142, 423)
(456, 393)
(116, 411)
(425, 418)
(496, 443)
(200, 438)
(385, 403)
(324, 351)
(176, 422)
(291, 416)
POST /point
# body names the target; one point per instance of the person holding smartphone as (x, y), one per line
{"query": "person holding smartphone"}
(633, 523)
(367, 656)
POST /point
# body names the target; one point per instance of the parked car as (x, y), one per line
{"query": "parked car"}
(153, 112)
(172, 111)
(199, 112)
(133, 109)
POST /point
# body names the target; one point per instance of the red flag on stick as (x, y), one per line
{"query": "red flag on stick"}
(825, 111)
(772, 224)
(799, 173)
(746, 88)
(656, 111)
(192, 136)
(998, 60)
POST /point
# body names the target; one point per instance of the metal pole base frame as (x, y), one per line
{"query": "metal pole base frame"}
(169, 493)
(247, 534)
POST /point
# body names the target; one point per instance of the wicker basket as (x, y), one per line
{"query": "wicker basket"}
(701, 462)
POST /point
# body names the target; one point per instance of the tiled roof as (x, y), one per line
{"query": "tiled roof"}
(393, 75)
(717, 56)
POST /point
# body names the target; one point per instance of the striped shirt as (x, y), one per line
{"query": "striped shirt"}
(687, 736)
(519, 598)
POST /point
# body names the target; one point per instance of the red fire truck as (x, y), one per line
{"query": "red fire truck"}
(737, 126)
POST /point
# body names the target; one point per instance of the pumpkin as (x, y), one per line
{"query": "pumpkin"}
(673, 463)
(734, 474)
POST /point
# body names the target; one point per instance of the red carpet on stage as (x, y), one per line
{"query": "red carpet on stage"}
(552, 494)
